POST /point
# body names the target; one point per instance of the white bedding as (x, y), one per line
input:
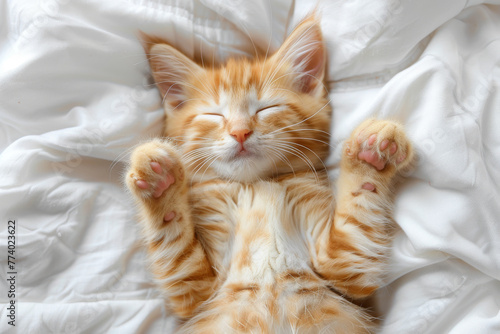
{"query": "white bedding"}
(76, 95)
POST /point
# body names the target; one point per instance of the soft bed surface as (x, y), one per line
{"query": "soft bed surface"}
(76, 96)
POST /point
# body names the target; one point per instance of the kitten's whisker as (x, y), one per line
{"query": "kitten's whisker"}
(195, 151)
(206, 168)
(306, 138)
(299, 154)
(201, 53)
(317, 130)
(306, 159)
(121, 157)
(288, 91)
(185, 144)
(194, 138)
(195, 157)
(127, 152)
(197, 168)
(307, 148)
(204, 163)
(282, 157)
(210, 161)
(284, 75)
(270, 157)
(199, 150)
(256, 52)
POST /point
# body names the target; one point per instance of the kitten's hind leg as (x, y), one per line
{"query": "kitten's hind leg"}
(352, 253)
(156, 178)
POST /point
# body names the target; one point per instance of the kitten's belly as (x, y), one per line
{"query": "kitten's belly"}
(267, 241)
(269, 284)
(270, 278)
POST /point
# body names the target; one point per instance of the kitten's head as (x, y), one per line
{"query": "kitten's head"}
(248, 119)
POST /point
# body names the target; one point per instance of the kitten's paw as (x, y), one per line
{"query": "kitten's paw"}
(380, 144)
(154, 170)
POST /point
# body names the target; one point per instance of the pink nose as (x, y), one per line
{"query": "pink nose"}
(241, 135)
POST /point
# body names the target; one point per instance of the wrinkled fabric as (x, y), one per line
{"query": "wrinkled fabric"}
(76, 96)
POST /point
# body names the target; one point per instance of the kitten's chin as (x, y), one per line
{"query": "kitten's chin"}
(243, 168)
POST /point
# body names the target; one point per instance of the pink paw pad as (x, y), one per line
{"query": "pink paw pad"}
(169, 216)
(368, 186)
(164, 183)
(156, 167)
(372, 158)
(142, 184)
(384, 144)
(393, 148)
(372, 139)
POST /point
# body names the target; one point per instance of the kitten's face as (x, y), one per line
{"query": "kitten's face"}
(248, 119)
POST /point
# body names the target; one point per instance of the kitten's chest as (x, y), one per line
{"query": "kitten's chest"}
(267, 239)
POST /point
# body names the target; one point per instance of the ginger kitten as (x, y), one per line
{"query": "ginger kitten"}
(238, 214)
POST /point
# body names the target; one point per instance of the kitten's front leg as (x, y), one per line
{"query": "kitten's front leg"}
(352, 254)
(156, 178)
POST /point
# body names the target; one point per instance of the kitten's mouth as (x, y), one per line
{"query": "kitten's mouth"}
(243, 152)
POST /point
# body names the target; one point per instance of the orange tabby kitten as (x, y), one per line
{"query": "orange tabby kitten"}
(240, 219)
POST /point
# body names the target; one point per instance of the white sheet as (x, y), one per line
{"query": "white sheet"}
(76, 95)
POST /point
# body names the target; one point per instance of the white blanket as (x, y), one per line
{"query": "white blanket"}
(76, 96)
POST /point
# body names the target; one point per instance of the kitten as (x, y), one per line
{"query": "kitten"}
(238, 214)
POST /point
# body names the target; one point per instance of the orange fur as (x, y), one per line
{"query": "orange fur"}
(240, 219)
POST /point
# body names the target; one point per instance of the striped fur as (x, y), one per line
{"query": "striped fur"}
(244, 229)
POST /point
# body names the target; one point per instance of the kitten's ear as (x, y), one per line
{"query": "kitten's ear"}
(304, 49)
(172, 70)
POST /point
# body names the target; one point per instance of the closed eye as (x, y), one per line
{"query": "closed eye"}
(213, 114)
(266, 108)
